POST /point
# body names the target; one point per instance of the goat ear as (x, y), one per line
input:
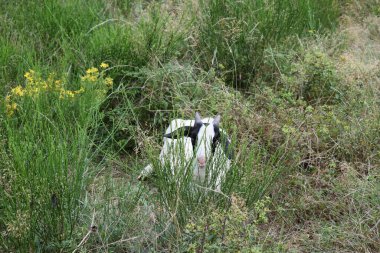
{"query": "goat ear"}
(198, 119)
(216, 121)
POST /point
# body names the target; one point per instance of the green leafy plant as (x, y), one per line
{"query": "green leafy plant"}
(315, 79)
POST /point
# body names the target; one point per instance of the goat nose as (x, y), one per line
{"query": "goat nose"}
(201, 161)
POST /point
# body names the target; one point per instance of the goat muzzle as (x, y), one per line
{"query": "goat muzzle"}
(201, 162)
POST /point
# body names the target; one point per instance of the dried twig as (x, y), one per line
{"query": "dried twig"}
(91, 230)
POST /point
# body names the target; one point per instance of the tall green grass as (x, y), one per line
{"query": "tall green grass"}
(49, 132)
(50, 37)
(70, 35)
(234, 34)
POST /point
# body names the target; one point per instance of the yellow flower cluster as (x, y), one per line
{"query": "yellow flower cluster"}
(108, 81)
(29, 75)
(93, 75)
(18, 91)
(35, 85)
(70, 93)
(104, 65)
(10, 106)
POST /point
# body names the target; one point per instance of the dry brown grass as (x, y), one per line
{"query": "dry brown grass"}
(330, 206)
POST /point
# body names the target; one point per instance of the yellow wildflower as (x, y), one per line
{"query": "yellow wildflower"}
(58, 84)
(62, 93)
(70, 94)
(29, 75)
(108, 81)
(51, 77)
(11, 108)
(18, 91)
(92, 70)
(45, 85)
(35, 90)
(81, 90)
(66, 93)
(104, 65)
(91, 78)
(8, 98)
(91, 74)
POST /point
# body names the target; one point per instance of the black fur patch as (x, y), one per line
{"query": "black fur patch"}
(222, 139)
(192, 132)
(186, 131)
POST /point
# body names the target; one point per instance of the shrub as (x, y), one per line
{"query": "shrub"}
(314, 79)
(48, 131)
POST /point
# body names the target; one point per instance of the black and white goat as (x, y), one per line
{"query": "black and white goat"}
(200, 143)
